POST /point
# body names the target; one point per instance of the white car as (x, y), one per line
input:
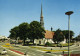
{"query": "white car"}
(4, 52)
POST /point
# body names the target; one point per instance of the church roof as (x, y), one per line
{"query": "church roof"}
(49, 34)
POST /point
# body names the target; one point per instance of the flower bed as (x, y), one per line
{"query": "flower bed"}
(54, 50)
(7, 46)
(17, 51)
(44, 49)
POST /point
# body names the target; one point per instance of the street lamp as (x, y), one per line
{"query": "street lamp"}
(69, 13)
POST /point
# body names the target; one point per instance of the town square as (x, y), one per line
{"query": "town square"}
(39, 28)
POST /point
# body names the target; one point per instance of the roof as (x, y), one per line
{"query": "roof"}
(49, 34)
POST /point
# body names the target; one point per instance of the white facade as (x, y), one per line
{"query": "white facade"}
(44, 40)
(63, 41)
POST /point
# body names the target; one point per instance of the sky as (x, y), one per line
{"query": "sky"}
(15, 12)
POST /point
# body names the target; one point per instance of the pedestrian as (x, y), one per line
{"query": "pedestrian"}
(63, 52)
(25, 54)
(60, 47)
(51, 48)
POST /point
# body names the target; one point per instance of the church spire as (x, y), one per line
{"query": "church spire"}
(41, 17)
(41, 11)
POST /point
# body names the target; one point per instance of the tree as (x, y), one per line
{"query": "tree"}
(58, 36)
(24, 31)
(14, 33)
(36, 31)
(66, 34)
(77, 38)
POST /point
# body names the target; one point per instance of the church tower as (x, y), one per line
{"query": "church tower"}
(41, 18)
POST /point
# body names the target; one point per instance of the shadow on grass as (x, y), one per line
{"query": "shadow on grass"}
(48, 52)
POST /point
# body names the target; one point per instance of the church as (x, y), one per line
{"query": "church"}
(48, 34)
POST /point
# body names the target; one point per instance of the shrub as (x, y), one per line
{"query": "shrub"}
(66, 44)
(54, 45)
(47, 44)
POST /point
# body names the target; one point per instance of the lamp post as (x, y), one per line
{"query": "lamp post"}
(69, 13)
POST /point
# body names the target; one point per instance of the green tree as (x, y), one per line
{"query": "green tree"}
(14, 33)
(77, 38)
(24, 31)
(58, 36)
(36, 31)
(66, 34)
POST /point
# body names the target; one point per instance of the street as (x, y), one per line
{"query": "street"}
(37, 52)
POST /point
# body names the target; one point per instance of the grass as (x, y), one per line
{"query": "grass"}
(30, 43)
(64, 45)
(54, 45)
(37, 47)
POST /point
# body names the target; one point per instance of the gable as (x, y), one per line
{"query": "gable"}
(49, 34)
